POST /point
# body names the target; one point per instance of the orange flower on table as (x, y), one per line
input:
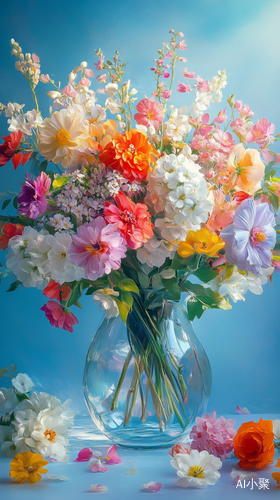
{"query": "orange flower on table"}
(248, 168)
(28, 467)
(253, 444)
(201, 241)
(276, 475)
(131, 154)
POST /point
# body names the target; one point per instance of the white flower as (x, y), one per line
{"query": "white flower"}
(44, 401)
(186, 151)
(97, 488)
(113, 105)
(22, 383)
(177, 125)
(34, 118)
(12, 109)
(17, 123)
(276, 428)
(8, 400)
(155, 252)
(98, 112)
(107, 303)
(111, 88)
(235, 286)
(7, 446)
(61, 269)
(198, 469)
(48, 436)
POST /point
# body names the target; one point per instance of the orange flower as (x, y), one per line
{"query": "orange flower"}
(131, 154)
(249, 169)
(27, 466)
(253, 444)
(276, 476)
(8, 232)
(104, 132)
(202, 241)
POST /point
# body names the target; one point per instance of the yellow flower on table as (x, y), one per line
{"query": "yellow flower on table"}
(201, 241)
(27, 466)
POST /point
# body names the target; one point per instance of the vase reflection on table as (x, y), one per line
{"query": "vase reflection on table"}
(145, 397)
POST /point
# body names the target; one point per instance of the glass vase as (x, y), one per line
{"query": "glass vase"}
(146, 381)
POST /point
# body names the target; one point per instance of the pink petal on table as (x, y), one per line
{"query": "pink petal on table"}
(242, 411)
(84, 455)
(112, 457)
(152, 486)
(97, 488)
(97, 466)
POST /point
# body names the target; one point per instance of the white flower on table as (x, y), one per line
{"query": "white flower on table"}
(198, 469)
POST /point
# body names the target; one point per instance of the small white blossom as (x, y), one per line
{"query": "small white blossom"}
(22, 383)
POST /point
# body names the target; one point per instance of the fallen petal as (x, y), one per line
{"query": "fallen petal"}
(132, 471)
(84, 455)
(242, 411)
(112, 457)
(97, 488)
(96, 465)
(152, 486)
(52, 477)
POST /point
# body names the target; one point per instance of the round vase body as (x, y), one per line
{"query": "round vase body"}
(141, 415)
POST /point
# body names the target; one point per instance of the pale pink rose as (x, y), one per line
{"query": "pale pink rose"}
(183, 88)
(85, 82)
(89, 73)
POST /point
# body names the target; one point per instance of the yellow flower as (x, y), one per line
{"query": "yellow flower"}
(60, 135)
(202, 241)
(276, 476)
(27, 466)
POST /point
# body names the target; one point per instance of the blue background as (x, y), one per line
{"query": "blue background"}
(243, 344)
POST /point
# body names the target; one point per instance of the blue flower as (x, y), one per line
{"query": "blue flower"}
(251, 237)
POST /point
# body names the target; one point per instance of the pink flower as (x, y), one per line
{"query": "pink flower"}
(267, 156)
(182, 45)
(202, 85)
(188, 74)
(102, 78)
(242, 411)
(245, 110)
(69, 91)
(183, 448)
(89, 73)
(169, 55)
(84, 455)
(183, 87)
(85, 82)
(152, 486)
(165, 74)
(181, 34)
(166, 94)
(261, 132)
(45, 78)
(150, 113)
(97, 466)
(59, 316)
(112, 457)
(221, 117)
(97, 248)
(35, 58)
(224, 141)
(213, 435)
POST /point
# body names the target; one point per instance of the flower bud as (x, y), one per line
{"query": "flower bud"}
(83, 64)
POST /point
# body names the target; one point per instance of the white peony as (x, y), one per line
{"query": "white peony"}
(197, 469)
(22, 383)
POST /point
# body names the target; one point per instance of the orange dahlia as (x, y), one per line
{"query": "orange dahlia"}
(131, 154)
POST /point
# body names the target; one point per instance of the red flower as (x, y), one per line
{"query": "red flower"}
(54, 291)
(10, 148)
(9, 230)
(240, 196)
(133, 220)
(59, 316)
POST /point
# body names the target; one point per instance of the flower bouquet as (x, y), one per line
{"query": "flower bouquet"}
(140, 209)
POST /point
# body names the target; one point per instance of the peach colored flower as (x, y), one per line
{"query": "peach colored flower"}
(103, 132)
(249, 169)
(253, 444)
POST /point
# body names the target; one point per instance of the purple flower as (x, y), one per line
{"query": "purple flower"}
(31, 200)
(251, 237)
(97, 248)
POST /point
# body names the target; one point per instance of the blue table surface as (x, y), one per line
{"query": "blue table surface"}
(153, 465)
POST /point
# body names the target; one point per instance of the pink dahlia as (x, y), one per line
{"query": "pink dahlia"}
(150, 113)
(214, 435)
(133, 220)
(97, 248)
(59, 316)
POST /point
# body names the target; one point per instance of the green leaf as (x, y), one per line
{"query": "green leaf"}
(3, 371)
(115, 277)
(173, 291)
(157, 283)
(128, 285)
(50, 174)
(6, 203)
(195, 308)
(15, 202)
(189, 264)
(78, 304)
(25, 221)
(59, 182)
(51, 202)
(144, 280)
(205, 274)
(43, 165)
(14, 286)
(206, 296)
(76, 293)
(274, 200)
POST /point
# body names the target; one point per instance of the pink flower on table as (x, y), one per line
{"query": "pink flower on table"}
(183, 448)
(261, 132)
(166, 94)
(149, 113)
(89, 73)
(183, 88)
(84, 455)
(152, 486)
(202, 85)
(59, 316)
(214, 435)
(70, 91)
(182, 45)
(221, 117)
(98, 248)
(85, 82)
(96, 465)
(188, 74)
(165, 74)
(112, 456)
